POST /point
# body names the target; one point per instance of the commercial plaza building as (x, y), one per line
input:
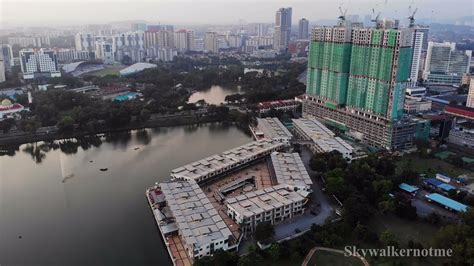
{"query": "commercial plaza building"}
(322, 138)
(216, 165)
(273, 205)
(271, 128)
(357, 79)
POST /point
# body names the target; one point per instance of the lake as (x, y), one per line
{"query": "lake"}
(214, 95)
(57, 207)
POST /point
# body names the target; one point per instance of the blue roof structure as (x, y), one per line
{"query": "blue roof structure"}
(408, 188)
(433, 182)
(452, 204)
(446, 187)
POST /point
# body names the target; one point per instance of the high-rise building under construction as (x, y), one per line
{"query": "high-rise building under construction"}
(356, 81)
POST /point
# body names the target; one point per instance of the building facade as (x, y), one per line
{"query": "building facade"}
(36, 42)
(470, 95)
(303, 29)
(184, 40)
(418, 37)
(7, 54)
(211, 42)
(357, 79)
(104, 52)
(282, 32)
(39, 63)
(446, 65)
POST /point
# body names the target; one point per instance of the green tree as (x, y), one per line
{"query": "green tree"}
(388, 238)
(264, 231)
(275, 251)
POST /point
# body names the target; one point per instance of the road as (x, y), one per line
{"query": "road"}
(304, 222)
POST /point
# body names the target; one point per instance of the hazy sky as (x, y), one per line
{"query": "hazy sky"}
(70, 12)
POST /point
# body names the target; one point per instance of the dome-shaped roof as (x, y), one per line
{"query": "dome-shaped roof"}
(6, 102)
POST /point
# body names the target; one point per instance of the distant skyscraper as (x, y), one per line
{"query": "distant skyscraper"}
(29, 41)
(425, 30)
(86, 41)
(446, 65)
(104, 51)
(303, 29)
(138, 27)
(40, 63)
(2, 69)
(133, 39)
(416, 57)
(161, 38)
(282, 28)
(7, 54)
(184, 40)
(211, 42)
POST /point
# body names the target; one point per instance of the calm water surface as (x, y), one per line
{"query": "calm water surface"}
(214, 95)
(57, 207)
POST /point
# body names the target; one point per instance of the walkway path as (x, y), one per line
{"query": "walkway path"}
(313, 250)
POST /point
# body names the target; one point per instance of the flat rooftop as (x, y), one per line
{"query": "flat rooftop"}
(263, 200)
(225, 160)
(313, 128)
(328, 145)
(272, 128)
(452, 204)
(289, 169)
(195, 216)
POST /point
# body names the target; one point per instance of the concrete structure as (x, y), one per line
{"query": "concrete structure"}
(86, 41)
(303, 29)
(216, 165)
(71, 55)
(414, 105)
(7, 53)
(418, 37)
(470, 95)
(282, 28)
(29, 42)
(356, 81)
(162, 38)
(2, 69)
(135, 68)
(273, 205)
(322, 138)
(189, 212)
(38, 63)
(289, 170)
(271, 128)
(416, 91)
(211, 42)
(446, 65)
(104, 51)
(184, 40)
(135, 39)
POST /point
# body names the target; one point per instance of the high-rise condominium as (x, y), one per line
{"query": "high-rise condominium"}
(184, 40)
(211, 42)
(356, 81)
(282, 28)
(303, 29)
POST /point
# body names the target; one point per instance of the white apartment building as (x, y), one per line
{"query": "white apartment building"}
(103, 51)
(274, 204)
(2, 69)
(71, 55)
(36, 42)
(213, 166)
(322, 138)
(418, 37)
(184, 40)
(35, 63)
(86, 41)
(271, 128)
(7, 53)
(211, 42)
(134, 39)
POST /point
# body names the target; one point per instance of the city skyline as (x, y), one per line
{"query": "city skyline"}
(67, 13)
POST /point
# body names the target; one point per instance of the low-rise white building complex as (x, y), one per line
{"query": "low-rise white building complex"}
(213, 166)
(185, 209)
(273, 205)
(212, 203)
(289, 170)
(271, 128)
(322, 138)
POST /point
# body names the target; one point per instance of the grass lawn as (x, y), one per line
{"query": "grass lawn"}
(113, 70)
(429, 166)
(323, 258)
(404, 230)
